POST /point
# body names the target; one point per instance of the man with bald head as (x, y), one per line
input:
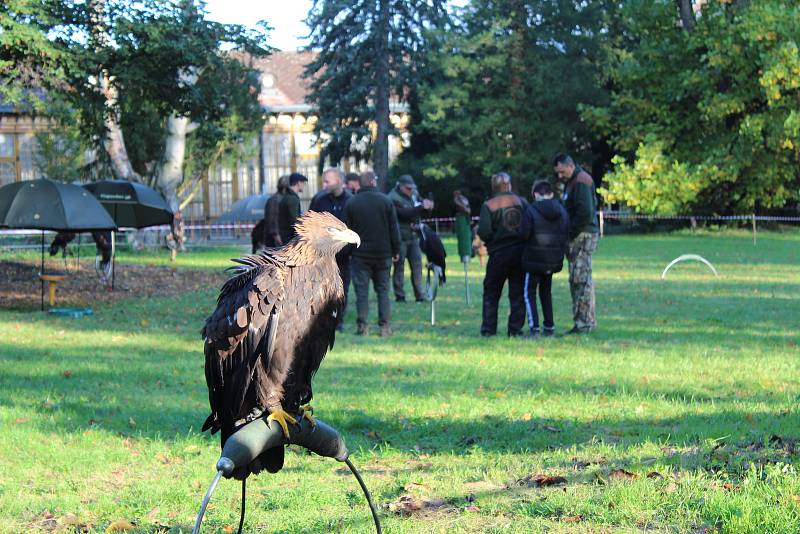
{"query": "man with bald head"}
(333, 198)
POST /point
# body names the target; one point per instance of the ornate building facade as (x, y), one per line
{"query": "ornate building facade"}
(286, 143)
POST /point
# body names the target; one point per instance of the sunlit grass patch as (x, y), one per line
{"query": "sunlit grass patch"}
(677, 415)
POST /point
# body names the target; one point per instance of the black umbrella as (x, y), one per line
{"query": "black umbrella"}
(48, 205)
(249, 209)
(131, 204)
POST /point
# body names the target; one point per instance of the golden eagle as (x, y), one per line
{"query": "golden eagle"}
(274, 322)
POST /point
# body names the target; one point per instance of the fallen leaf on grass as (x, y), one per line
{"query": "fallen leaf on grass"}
(796, 499)
(67, 373)
(729, 487)
(407, 505)
(671, 488)
(472, 508)
(120, 525)
(228, 529)
(621, 474)
(655, 475)
(572, 519)
(152, 514)
(21, 420)
(540, 481)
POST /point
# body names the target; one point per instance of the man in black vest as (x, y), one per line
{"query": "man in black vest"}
(499, 225)
(333, 199)
(545, 228)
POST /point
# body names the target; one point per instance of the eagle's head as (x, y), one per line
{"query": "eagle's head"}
(326, 234)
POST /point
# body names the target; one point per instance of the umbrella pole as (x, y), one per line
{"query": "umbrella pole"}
(466, 283)
(41, 271)
(113, 256)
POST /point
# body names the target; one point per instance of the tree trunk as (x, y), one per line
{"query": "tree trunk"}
(381, 147)
(517, 125)
(170, 173)
(113, 141)
(686, 11)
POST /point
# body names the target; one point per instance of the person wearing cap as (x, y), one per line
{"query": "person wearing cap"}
(499, 225)
(371, 215)
(289, 207)
(409, 210)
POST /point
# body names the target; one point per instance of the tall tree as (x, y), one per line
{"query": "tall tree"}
(28, 59)
(151, 85)
(705, 120)
(506, 89)
(369, 54)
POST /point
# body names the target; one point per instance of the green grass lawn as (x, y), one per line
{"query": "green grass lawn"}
(678, 415)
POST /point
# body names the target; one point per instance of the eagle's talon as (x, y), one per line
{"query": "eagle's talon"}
(281, 417)
(308, 414)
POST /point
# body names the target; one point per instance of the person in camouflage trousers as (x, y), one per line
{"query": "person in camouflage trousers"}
(580, 201)
(581, 287)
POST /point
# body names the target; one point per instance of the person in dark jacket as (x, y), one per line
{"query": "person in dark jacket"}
(272, 237)
(545, 229)
(498, 227)
(409, 210)
(289, 207)
(580, 200)
(333, 198)
(371, 215)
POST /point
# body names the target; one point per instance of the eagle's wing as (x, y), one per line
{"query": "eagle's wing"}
(239, 336)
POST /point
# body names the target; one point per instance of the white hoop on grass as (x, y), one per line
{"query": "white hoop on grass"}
(689, 257)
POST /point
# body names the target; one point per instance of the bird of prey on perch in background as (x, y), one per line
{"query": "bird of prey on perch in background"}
(275, 320)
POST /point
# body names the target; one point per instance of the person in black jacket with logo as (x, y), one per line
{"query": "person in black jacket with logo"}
(501, 217)
(545, 228)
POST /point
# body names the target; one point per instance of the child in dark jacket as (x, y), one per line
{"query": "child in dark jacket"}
(545, 228)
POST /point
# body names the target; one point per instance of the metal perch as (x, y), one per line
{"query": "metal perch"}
(256, 437)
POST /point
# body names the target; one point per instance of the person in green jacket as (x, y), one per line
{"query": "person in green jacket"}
(409, 209)
(580, 200)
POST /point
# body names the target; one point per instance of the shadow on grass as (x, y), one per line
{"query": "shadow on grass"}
(164, 396)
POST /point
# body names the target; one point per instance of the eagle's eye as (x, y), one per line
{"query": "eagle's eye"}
(332, 229)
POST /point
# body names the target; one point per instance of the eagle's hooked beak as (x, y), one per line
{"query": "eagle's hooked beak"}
(349, 236)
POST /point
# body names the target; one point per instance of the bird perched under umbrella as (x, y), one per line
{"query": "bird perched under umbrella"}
(275, 320)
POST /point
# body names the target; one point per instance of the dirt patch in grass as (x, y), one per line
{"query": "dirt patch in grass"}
(20, 287)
